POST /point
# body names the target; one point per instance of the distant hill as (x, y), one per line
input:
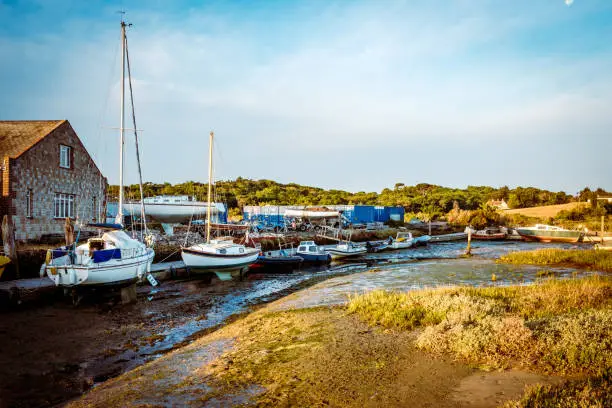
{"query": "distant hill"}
(545, 211)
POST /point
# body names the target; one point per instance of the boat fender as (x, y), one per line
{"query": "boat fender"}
(47, 266)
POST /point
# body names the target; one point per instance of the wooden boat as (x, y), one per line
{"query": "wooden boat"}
(489, 234)
(114, 259)
(458, 236)
(221, 256)
(401, 241)
(312, 253)
(550, 233)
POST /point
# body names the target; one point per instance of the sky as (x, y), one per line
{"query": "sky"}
(353, 95)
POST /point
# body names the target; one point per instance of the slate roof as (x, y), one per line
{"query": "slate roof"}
(18, 136)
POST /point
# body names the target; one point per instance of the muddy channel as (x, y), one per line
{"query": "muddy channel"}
(54, 352)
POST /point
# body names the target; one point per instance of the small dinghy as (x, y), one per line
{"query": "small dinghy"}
(401, 241)
(374, 247)
(489, 234)
(422, 240)
(346, 250)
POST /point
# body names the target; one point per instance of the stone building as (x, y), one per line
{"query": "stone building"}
(46, 175)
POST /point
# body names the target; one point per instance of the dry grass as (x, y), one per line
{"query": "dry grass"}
(592, 259)
(594, 392)
(555, 326)
(545, 211)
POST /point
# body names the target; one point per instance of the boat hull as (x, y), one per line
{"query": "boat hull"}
(401, 245)
(338, 254)
(449, 237)
(217, 262)
(551, 236)
(114, 273)
(315, 258)
(489, 237)
(170, 213)
(278, 264)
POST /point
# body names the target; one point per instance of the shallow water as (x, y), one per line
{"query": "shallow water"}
(433, 266)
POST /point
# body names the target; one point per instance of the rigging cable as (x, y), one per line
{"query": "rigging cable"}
(142, 209)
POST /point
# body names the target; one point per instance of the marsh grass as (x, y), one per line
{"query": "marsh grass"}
(555, 326)
(591, 259)
(593, 392)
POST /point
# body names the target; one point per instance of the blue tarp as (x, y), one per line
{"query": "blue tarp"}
(59, 252)
(104, 255)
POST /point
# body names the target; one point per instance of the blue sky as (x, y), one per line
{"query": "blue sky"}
(356, 95)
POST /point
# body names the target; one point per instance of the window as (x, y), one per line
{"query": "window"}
(29, 203)
(94, 209)
(63, 205)
(65, 159)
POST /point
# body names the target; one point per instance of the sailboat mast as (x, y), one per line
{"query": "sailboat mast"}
(210, 148)
(121, 127)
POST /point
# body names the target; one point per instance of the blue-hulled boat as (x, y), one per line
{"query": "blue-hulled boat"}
(311, 252)
(280, 261)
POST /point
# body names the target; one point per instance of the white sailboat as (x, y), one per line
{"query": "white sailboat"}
(221, 256)
(115, 258)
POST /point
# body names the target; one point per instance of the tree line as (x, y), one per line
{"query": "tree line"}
(421, 198)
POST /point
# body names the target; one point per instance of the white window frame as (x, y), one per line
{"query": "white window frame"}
(63, 205)
(29, 203)
(65, 156)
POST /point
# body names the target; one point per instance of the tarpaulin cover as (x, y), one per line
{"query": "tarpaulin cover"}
(105, 255)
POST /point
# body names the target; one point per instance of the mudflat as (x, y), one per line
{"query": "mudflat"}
(309, 357)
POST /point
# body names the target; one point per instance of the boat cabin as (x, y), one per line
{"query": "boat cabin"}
(309, 247)
(403, 236)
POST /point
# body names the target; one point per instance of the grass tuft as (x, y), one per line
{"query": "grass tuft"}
(591, 258)
(555, 326)
(593, 392)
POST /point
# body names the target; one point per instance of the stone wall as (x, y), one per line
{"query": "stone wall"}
(38, 170)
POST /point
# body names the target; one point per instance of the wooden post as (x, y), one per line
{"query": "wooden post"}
(468, 250)
(602, 229)
(429, 227)
(69, 232)
(8, 237)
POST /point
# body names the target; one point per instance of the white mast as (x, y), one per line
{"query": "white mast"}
(210, 147)
(121, 128)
